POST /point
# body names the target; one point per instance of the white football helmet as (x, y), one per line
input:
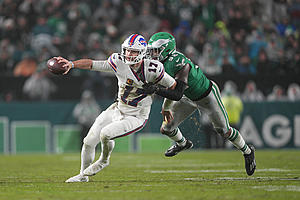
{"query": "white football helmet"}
(135, 42)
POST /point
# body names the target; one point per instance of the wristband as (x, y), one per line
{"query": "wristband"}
(71, 64)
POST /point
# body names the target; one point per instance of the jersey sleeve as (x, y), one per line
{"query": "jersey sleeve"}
(167, 81)
(160, 76)
(113, 61)
(108, 65)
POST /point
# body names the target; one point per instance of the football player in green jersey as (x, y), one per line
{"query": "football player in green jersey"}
(193, 91)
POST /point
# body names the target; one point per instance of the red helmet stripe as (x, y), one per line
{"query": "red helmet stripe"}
(132, 39)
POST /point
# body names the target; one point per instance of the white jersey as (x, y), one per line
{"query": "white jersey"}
(131, 100)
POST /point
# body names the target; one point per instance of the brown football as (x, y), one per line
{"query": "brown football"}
(55, 67)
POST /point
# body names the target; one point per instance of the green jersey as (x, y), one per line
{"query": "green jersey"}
(198, 84)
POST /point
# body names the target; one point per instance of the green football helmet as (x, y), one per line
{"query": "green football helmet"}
(161, 45)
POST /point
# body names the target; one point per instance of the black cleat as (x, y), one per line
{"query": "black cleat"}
(250, 164)
(175, 149)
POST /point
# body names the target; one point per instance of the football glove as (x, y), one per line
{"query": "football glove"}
(150, 88)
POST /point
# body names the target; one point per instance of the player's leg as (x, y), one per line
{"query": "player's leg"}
(127, 125)
(90, 142)
(180, 110)
(215, 109)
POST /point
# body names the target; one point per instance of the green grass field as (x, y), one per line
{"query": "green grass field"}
(189, 175)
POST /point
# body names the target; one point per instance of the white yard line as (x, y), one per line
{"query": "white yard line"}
(216, 171)
(243, 178)
(164, 165)
(293, 188)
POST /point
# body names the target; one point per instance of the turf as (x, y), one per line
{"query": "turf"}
(142, 176)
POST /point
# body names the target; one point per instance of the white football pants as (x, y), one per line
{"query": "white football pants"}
(109, 125)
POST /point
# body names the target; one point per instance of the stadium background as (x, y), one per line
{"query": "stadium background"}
(230, 40)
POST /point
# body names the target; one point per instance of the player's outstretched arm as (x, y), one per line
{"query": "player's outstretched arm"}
(81, 64)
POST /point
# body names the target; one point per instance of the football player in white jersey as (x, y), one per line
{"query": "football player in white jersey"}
(130, 113)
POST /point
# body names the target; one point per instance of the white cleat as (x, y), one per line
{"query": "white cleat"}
(95, 168)
(78, 178)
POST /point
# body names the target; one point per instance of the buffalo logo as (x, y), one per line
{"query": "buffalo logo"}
(143, 41)
(129, 81)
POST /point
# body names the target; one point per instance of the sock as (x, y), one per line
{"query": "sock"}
(177, 136)
(107, 148)
(237, 140)
(87, 156)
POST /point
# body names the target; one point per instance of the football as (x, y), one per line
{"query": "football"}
(55, 67)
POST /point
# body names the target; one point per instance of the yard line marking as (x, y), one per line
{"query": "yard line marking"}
(274, 170)
(216, 171)
(164, 165)
(190, 171)
(291, 188)
(71, 158)
(243, 178)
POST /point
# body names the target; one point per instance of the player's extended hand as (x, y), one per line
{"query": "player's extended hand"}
(67, 64)
(167, 116)
(150, 88)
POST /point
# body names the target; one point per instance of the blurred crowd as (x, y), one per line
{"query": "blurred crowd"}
(252, 94)
(221, 36)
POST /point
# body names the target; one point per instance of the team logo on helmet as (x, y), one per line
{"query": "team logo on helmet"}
(143, 41)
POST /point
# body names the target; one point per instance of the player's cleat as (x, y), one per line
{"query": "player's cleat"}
(95, 168)
(78, 178)
(175, 149)
(250, 164)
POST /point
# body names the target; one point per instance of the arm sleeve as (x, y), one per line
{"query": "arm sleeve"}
(175, 94)
(101, 65)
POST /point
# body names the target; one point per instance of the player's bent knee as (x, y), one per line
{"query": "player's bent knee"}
(86, 146)
(223, 132)
(104, 136)
(90, 140)
(166, 132)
